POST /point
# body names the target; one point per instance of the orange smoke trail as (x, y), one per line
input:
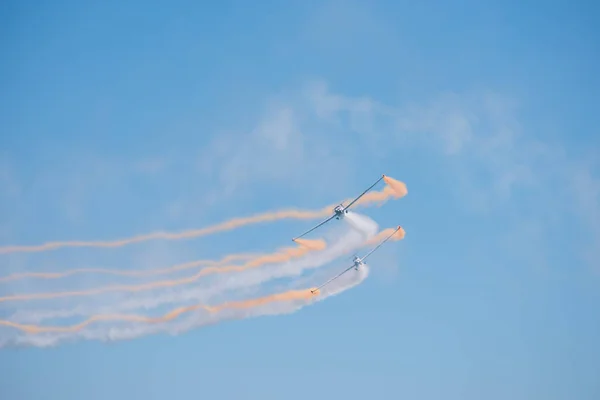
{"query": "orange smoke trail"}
(283, 255)
(398, 187)
(385, 233)
(160, 271)
(278, 297)
(225, 226)
(394, 189)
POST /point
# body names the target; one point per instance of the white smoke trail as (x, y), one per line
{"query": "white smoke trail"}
(191, 320)
(223, 286)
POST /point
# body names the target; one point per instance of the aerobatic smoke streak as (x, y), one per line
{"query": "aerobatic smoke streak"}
(234, 292)
(274, 304)
(385, 233)
(224, 226)
(142, 273)
(364, 229)
(288, 253)
(286, 296)
(161, 271)
(394, 189)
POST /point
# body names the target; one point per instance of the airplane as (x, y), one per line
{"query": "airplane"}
(340, 210)
(357, 261)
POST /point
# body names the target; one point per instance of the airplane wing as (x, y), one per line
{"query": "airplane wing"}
(334, 278)
(380, 244)
(312, 229)
(365, 192)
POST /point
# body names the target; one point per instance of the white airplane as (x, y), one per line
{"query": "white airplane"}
(340, 210)
(357, 261)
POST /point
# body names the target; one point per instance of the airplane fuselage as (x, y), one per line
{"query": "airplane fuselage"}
(357, 263)
(340, 211)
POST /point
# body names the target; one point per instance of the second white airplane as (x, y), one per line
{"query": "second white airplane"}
(357, 262)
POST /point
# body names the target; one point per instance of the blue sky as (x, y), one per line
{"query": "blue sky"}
(119, 119)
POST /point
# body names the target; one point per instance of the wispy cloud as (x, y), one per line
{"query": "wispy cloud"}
(272, 151)
(281, 150)
(479, 135)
